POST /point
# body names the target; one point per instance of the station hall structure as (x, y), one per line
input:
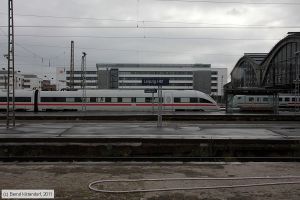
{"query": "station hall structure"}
(268, 73)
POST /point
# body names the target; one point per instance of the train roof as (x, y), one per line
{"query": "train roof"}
(118, 93)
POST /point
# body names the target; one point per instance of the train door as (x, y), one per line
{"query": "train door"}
(168, 101)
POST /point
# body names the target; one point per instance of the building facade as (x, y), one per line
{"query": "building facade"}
(19, 80)
(182, 76)
(31, 82)
(129, 76)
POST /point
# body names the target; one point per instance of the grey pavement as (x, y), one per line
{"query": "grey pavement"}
(122, 113)
(275, 130)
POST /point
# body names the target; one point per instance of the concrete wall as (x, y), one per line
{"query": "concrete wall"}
(104, 79)
(202, 81)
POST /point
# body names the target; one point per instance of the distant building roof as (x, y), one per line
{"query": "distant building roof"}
(152, 65)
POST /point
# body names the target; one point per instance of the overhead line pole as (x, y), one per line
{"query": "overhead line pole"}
(72, 67)
(83, 80)
(10, 111)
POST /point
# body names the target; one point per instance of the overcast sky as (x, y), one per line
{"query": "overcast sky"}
(138, 31)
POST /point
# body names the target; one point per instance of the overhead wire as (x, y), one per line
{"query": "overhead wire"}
(145, 37)
(233, 2)
(152, 27)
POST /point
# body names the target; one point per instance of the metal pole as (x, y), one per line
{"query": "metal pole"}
(159, 115)
(72, 67)
(297, 86)
(83, 80)
(10, 112)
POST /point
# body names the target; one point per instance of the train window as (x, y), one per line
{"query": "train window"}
(280, 99)
(53, 99)
(46, 99)
(114, 100)
(3, 99)
(22, 99)
(127, 100)
(257, 99)
(78, 99)
(93, 99)
(287, 99)
(133, 100)
(204, 100)
(177, 100)
(61, 99)
(293, 99)
(100, 99)
(265, 99)
(107, 99)
(251, 99)
(185, 100)
(239, 98)
(140, 100)
(120, 100)
(148, 100)
(193, 100)
(70, 99)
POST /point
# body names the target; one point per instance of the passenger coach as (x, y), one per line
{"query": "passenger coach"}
(109, 100)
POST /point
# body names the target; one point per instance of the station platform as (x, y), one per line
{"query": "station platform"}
(142, 141)
(152, 116)
(142, 130)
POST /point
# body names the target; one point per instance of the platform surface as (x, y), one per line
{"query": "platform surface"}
(171, 130)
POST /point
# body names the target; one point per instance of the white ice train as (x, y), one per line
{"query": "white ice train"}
(109, 100)
(265, 103)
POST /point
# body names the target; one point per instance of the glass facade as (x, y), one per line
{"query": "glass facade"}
(244, 75)
(282, 68)
(277, 69)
